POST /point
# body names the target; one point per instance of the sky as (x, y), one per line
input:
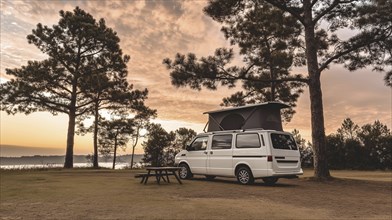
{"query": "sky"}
(151, 31)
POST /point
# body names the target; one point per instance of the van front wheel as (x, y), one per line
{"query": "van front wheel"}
(244, 176)
(184, 172)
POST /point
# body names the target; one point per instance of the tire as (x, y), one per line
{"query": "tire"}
(270, 180)
(184, 172)
(244, 176)
(209, 177)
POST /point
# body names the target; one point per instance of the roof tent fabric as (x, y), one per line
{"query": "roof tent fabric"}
(264, 115)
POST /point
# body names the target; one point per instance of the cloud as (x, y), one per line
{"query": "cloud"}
(153, 30)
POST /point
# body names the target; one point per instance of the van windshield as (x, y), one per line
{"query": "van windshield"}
(283, 141)
(200, 143)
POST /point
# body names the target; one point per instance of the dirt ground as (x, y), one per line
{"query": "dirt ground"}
(105, 194)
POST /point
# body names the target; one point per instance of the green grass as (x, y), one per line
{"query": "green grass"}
(107, 194)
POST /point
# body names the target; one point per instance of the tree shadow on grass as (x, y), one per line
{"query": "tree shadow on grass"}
(339, 181)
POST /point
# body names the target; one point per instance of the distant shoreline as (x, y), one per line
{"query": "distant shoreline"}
(9, 150)
(56, 159)
(107, 165)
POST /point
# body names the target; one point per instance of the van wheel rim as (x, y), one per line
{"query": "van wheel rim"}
(183, 172)
(243, 176)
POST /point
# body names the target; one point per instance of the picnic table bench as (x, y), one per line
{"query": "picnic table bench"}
(159, 173)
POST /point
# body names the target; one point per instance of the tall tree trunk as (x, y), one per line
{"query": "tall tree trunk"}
(71, 128)
(96, 120)
(114, 153)
(321, 169)
(70, 140)
(273, 91)
(316, 104)
(272, 73)
(134, 145)
(133, 153)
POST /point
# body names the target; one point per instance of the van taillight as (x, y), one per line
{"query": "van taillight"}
(269, 158)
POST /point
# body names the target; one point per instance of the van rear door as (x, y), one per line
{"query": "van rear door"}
(285, 154)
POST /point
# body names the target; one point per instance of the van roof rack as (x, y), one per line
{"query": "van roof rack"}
(237, 130)
(225, 131)
(253, 129)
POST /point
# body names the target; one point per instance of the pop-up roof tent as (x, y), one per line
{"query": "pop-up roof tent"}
(264, 115)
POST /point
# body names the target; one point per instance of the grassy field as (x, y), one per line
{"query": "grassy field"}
(106, 194)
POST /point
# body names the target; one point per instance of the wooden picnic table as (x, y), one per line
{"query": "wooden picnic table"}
(161, 173)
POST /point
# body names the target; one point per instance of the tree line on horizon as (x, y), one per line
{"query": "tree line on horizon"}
(366, 147)
(85, 72)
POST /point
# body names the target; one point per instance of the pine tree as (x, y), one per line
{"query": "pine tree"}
(370, 45)
(77, 47)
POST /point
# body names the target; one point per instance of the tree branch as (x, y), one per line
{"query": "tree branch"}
(84, 104)
(49, 104)
(249, 67)
(304, 80)
(87, 49)
(284, 7)
(62, 87)
(92, 54)
(58, 93)
(327, 10)
(82, 112)
(313, 3)
(342, 53)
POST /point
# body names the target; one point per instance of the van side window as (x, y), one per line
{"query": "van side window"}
(283, 141)
(199, 143)
(248, 141)
(221, 141)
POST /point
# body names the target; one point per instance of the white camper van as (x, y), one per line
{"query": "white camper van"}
(244, 154)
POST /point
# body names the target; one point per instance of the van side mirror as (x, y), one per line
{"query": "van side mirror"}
(188, 147)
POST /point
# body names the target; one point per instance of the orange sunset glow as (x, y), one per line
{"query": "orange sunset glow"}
(151, 31)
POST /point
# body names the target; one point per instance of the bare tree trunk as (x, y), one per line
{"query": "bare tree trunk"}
(133, 147)
(71, 128)
(133, 153)
(96, 120)
(114, 153)
(272, 74)
(70, 141)
(321, 169)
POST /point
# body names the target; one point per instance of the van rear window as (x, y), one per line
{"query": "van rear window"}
(283, 141)
(248, 141)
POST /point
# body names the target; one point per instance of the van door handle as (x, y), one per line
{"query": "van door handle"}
(205, 152)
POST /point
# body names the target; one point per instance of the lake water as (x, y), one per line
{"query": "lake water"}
(76, 165)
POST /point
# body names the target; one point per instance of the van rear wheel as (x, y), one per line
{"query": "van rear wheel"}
(244, 176)
(184, 172)
(270, 180)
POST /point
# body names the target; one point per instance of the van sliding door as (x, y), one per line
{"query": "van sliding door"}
(220, 156)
